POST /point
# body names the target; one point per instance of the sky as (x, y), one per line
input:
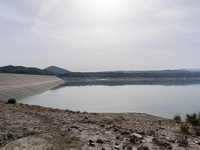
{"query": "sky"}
(100, 35)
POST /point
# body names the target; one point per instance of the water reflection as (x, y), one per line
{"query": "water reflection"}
(159, 98)
(129, 82)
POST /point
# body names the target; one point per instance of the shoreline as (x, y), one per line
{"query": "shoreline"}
(68, 79)
(24, 126)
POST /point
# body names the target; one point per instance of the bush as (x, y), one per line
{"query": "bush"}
(194, 120)
(11, 101)
(177, 118)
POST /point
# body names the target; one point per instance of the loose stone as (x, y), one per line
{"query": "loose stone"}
(100, 141)
(136, 135)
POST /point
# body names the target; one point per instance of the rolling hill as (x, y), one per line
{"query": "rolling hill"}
(25, 70)
(56, 69)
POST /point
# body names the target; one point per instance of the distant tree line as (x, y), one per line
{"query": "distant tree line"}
(25, 70)
(185, 74)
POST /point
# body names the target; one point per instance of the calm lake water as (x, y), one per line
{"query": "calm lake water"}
(158, 99)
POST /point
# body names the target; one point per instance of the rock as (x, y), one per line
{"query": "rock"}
(162, 128)
(133, 140)
(91, 143)
(80, 129)
(136, 135)
(142, 148)
(75, 127)
(162, 143)
(115, 130)
(151, 133)
(116, 147)
(142, 141)
(181, 145)
(129, 148)
(99, 141)
(167, 138)
(117, 137)
(141, 132)
(102, 125)
(123, 132)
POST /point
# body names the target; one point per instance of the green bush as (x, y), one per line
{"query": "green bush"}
(194, 120)
(177, 118)
(12, 101)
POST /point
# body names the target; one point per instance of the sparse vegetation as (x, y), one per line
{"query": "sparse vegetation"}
(194, 120)
(12, 101)
(177, 118)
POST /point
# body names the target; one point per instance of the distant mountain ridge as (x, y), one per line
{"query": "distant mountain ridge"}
(56, 69)
(60, 72)
(25, 70)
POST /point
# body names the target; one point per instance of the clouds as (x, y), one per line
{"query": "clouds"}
(92, 35)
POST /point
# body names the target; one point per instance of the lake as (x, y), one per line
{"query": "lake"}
(160, 99)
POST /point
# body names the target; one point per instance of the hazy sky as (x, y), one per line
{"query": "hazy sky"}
(100, 35)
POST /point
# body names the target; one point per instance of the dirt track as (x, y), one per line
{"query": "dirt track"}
(33, 127)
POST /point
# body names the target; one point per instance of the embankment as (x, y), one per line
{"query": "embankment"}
(19, 85)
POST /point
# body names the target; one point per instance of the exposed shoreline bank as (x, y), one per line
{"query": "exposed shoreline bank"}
(34, 127)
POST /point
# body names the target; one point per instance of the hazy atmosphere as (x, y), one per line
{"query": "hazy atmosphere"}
(100, 35)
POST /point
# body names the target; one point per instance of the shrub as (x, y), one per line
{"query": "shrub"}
(194, 120)
(177, 118)
(12, 101)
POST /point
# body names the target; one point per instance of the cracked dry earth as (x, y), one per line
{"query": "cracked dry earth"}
(27, 127)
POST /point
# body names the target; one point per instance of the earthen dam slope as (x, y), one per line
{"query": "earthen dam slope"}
(20, 85)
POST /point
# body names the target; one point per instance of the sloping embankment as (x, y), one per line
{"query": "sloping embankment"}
(19, 85)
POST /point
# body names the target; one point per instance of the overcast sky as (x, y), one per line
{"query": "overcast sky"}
(100, 35)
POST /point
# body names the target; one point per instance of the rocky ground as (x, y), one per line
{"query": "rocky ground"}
(24, 127)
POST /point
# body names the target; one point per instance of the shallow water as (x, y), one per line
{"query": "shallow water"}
(163, 100)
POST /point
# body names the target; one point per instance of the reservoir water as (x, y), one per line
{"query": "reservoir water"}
(158, 99)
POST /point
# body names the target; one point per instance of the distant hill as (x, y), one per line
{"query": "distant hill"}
(57, 69)
(25, 70)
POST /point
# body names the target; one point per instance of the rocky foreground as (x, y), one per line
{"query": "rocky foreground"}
(24, 127)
